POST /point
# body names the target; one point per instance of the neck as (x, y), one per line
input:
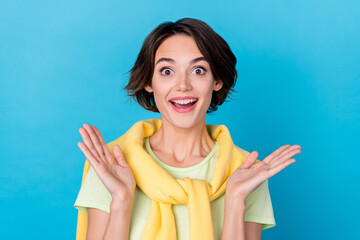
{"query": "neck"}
(183, 144)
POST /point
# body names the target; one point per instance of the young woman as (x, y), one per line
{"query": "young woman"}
(176, 177)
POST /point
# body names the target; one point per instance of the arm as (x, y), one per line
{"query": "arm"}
(234, 226)
(113, 225)
(253, 231)
(97, 222)
(119, 220)
(245, 180)
(117, 177)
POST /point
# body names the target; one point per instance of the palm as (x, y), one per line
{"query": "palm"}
(248, 177)
(117, 179)
(113, 172)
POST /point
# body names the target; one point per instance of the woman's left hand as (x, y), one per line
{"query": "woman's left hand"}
(246, 179)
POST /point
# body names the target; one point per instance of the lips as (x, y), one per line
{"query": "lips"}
(183, 104)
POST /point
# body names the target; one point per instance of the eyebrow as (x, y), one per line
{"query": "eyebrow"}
(172, 60)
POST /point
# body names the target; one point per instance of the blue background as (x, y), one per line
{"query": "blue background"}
(64, 63)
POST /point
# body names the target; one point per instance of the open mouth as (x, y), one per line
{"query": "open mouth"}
(183, 103)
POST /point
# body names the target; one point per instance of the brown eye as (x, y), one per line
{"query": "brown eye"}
(199, 71)
(166, 71)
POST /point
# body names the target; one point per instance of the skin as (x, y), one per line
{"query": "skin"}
(181, 141)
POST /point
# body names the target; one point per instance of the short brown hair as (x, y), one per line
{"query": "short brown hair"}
(214, 48)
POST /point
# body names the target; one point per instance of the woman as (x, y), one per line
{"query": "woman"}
(178, 178)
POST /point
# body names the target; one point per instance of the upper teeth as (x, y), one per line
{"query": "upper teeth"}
(185, 101)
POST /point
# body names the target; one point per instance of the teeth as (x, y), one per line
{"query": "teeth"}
(186, 101)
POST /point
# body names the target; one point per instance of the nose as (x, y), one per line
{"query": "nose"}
(184, 83)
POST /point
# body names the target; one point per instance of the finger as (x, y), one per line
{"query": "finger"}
(88, 142)
(250, 160)
(280, 167)
(119, 156)
(286, 157)
(89, 156)
(286, 152)
(273, 155)
(95, 141)
(108, 155)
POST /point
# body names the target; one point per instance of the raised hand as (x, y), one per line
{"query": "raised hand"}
(248, 177)
(113, 172)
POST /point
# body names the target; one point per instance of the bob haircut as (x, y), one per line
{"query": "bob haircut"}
(213, 47)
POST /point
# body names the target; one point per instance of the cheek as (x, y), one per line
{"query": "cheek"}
(160, 91)
(206, 90)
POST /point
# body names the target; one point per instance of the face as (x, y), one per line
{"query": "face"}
(182, 82)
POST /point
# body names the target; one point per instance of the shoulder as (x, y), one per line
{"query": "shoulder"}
(244, 154)
(241, 151)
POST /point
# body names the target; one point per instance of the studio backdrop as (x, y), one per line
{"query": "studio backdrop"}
(65, 63)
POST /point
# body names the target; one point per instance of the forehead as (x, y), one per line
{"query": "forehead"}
(178, 46)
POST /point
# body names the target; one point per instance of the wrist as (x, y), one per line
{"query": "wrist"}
(121, 205)
(235, 203)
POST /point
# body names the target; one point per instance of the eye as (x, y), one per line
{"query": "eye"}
(199, 71)
(165, 71)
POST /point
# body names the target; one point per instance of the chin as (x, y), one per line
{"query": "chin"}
(184, 122)
(180, 123)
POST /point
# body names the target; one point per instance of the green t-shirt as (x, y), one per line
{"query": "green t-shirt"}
(93, 194)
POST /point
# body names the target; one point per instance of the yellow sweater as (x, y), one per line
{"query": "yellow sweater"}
(197, 194)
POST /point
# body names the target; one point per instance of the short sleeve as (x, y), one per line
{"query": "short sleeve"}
(93, 194)
(259, 207)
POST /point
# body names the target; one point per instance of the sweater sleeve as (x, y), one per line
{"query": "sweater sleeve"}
(93, 194)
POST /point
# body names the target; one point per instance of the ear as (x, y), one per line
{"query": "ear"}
(148, 88)
(218, 85)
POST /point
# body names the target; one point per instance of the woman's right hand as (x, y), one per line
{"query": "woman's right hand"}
(115, 173)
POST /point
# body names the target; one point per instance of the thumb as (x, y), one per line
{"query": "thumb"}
(119, 157)
(250, 160)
